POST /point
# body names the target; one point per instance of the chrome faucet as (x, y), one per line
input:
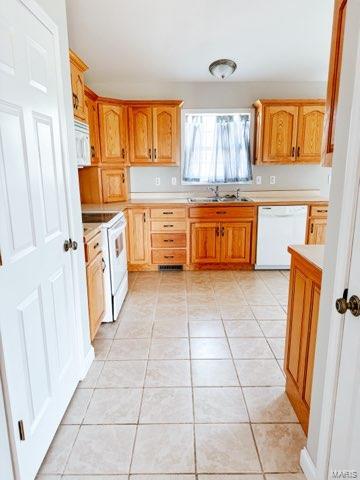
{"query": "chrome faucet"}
(215, 191)
(238, 190)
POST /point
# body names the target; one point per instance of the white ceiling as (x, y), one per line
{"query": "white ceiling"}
(176, 40)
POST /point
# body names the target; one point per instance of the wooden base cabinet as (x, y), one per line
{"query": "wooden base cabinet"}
(139, 237)
(317, 224)
(303, 310)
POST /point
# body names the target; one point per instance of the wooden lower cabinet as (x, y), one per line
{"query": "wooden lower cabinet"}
(221, 242)
(316, 225)
(303, 311)
(139, 236)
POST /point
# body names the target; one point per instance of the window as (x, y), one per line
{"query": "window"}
(216, 147)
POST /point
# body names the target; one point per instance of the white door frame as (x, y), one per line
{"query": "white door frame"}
(350, 161)
(84, 358)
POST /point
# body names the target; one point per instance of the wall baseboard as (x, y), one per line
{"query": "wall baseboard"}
(307, 465)
(87, 363)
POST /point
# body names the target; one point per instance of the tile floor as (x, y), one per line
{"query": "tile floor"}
(188, 381)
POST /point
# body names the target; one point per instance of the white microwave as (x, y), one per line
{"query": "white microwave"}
(82, 141)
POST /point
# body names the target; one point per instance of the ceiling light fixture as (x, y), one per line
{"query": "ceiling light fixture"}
(222, 68)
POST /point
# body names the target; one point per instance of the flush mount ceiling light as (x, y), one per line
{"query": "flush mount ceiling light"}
(222, 68)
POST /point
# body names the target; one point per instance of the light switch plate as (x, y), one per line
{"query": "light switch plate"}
(272, 179)
(157, 181)
(258, 180)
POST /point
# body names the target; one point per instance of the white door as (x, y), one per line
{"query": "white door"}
(345, 447)
(37, 320)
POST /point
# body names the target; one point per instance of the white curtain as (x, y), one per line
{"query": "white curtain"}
(217, 148)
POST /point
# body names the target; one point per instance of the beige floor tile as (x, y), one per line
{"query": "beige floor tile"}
(242, 328)
(76, 410)
(59, 451)
(164, 449)
(231, 477)
(200, 289)
(169, 349)
(107, 330)
(134, 329)
(279, 446)
(214, 373)
(285, 476)
(49, 477)
(203, 312)
(125, 373)
(283, 298)
(269, 405)
(219, 405)
(209, 348)
(168, 373)
(277, 345)
(129, 349)
(193, 299)
(175, 288)
(255, 373)
(164, 477)
(273, 328)
(167, 405)
(260, 299)
(250, 348)
(225, 449)
(172, 299)
(173, 313)
(94, 477)
(137, 299)
(141, 311)
(206, 328)
(111, 406)
(236, 312)
(101, 347)
(92, 376)
(170, 329)
(102, 449)
(269, 313)
(227, 288)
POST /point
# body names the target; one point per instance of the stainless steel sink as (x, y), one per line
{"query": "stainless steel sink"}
(218, 200)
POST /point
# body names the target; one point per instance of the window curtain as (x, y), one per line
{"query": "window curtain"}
(224, 158)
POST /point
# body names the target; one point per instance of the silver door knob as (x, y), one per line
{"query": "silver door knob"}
(74, 244)
(342, 305)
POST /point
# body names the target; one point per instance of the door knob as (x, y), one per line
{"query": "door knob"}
(74, 244)
(342, 305)
(67, 245)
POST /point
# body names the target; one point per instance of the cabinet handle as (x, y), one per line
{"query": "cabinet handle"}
(168, 213)
(144, 217)
(312, 228)
(168, 240)
(298, 152)
(220, 212)
(168, 256)
(92, 151)
(149, 152)
(217, 231)
(222, 231)
(103, 265)
(321, 211)
(123, 177)
(123, 153)
(293, 152)
(96, 245)
(155, 153)
(168, 225)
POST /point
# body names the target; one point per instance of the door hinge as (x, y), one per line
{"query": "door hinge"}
(21, 430)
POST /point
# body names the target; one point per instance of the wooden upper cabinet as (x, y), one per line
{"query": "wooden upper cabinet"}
(77, 69)
(333, 81)
(280, 129)
(310, 132)
(114, 184)
(154, 133)
(288, 131)
(113, 133)
(205, 245)
(236, 242)
(140, 134)
(139, 236)
(165, 134)
(91, 113)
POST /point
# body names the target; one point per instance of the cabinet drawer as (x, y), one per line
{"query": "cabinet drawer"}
(222, 212)
(169, 255)
(168, 226)
(319, 211)
(168, 213)
(166, 240)
(92, 248)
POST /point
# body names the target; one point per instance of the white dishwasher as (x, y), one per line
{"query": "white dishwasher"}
(279, 227)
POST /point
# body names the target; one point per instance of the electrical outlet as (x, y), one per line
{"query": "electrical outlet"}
(329, 179)
(258, 180)
(173, 180)
(272, 179)
(157, 181)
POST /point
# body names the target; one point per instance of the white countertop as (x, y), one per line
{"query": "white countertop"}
(312, 253)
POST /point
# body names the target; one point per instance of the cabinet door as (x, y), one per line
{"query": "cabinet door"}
(314, 314)
(139, 236)
(113, 133)
(236, 242)
(280, 131)
(165, 134)
(96, 294)
(205, 243)
(140, 134)
(333, 81)
(113, 185)
(310, 131)
(317, 231)
(91, 116)
(78, 85)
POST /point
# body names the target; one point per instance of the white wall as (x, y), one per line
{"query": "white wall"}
(221, 95)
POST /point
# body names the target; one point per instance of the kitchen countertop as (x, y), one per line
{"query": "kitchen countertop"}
(311, 253)
(90, 230)
(258, 198)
